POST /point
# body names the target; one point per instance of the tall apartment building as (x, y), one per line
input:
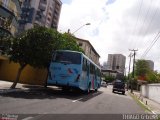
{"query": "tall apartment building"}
(42, 12)
(116, 62)
(9, 15)
(151, 64)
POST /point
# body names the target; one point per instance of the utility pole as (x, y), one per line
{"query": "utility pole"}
(128, 83)
(134, 53)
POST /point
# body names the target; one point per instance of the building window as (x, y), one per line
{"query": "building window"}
(90, 50)
(80, 44)
(48, 19)
(49, 13)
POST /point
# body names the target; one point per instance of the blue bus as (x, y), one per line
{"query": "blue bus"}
(72, 69)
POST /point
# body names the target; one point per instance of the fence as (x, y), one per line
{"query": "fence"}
(30, 75)
(151, 91)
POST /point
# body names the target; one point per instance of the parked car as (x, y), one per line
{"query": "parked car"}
(103, 84)
(119, 86)
(110, 83)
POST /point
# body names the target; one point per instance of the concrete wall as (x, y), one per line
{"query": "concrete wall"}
(151, 91)
(30, 75)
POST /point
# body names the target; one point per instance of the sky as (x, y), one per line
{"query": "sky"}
(117, 26)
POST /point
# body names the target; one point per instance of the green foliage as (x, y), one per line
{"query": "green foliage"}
(5, 44)
(33, 47)
(109, 78)
(153, 77)
(69, 43)
(142, 68)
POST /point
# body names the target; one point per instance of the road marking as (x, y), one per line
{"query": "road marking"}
(27, 118)
(77, 100)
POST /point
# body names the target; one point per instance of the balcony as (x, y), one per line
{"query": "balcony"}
(10, 9)
(43, 1)
(6, 25)
(42, 7)
(25, 8)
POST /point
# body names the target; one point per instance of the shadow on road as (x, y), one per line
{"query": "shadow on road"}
(39, 92)
(119, 93)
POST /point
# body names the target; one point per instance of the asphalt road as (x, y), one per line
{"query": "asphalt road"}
(40, 103)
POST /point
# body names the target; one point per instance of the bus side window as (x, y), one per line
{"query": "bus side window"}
(88, 65)
(98, 72)
(94, 70)
(84, 64)
(91, 69)
(53, 56)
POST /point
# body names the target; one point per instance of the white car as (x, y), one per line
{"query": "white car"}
(103, 84)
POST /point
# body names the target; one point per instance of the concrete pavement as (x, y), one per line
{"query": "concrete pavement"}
(150, 104)
(57, 101)
(5, 87)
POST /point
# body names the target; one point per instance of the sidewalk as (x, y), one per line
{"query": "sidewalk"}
(152, 105)
(5, 87)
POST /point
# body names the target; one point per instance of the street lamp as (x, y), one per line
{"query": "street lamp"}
(81, 27)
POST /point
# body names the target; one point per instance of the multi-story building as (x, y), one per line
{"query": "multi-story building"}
(89, 50)
(9, 15)
(42, 12)
(151, 64)
(116, 62)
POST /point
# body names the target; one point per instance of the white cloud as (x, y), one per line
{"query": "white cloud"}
(115, 27)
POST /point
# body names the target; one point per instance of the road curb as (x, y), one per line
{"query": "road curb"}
(138, 99)
(3, 91)
(147, 107)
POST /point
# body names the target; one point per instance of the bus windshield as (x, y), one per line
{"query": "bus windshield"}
(67, 57)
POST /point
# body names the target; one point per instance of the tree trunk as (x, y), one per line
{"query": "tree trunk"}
(45, 84)
(18, 76)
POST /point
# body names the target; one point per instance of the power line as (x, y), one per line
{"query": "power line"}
(135, 26)
(151, 21)
(155, 38)
(144, 20)
(151, 45)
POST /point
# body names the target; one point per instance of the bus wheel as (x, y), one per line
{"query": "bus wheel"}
(96, 90)
(89, 88)
(65, 88)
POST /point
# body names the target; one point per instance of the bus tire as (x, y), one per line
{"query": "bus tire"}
(89, 88)
(65, 88)
(96, 90)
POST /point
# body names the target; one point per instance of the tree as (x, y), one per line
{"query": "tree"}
(142, 68)
(109, 78)
(69, 43)
(153, 77)
(33, 47)
(5, 44)
(143, 72)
